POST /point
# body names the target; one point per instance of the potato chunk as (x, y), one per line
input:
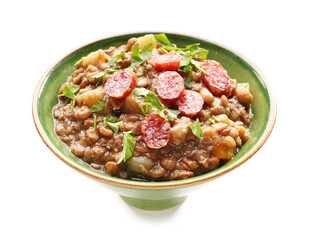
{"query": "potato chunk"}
(243, 94)
(91, 97)
(94, 58)
(133, 104)
(146, 39)
(180, 130)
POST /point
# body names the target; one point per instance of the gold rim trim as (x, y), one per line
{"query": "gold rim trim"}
(158, 185)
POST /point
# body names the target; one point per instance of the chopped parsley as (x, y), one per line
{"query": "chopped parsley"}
(79, 61)
(214, 119)
(156, 105)
(140, 56)
(196, 128)
(116, 57)
(97, 107)
(69, 92)
(145, 111)
(162, 39)
(141, 92)
(129, 142)
(95, 122)
(112, 123)
(104, 74)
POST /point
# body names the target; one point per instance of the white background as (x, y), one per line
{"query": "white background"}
(265, 198)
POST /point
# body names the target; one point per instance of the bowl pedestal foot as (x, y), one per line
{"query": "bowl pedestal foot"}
(153, 205)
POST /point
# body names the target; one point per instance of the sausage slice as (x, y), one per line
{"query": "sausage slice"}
(120, 84)
(216, 79)
(155, 131)
(170, 85)
(165, 62)
(190, 103)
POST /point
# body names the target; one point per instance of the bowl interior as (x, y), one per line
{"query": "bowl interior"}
(237, 66)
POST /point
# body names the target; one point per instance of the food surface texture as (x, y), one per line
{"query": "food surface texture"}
(153, 111)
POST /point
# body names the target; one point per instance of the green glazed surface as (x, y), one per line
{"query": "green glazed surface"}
(237, 66)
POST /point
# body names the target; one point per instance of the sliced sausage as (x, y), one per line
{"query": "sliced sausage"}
(165, 62)
(170, 85)
(190, 103)
(155, 131)
(216, 79)
(120, 84)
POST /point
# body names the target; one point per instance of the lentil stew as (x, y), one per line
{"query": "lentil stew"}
(152, 111)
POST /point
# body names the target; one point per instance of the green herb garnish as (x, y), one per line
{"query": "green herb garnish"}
(129, 142)
(140, 56)
(115, 58)
(214, 119)
(97, 107)
(69, 92)
(156, 105)
(198, 65)
(189, 53)
(141, 92)
(79, 61)
(145, 112)
(162, 39)
(112, 123)
(95, 122)
(196, 128)
(104, 74)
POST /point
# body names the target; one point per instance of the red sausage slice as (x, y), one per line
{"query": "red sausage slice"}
(170, 85)
(165, 62)
(155, 131)
(216, 79)
(120, 84)
(190, 103)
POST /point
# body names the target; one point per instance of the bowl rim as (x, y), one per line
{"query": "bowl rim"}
(156, 185)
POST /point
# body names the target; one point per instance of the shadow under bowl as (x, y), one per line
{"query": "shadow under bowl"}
(156, 195)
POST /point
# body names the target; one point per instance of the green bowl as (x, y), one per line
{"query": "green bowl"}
(156, 195)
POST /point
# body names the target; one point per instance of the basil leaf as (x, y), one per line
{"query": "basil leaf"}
(129, 142)
(196, 128)
(97, 107)
(141, 92)
(115, 58)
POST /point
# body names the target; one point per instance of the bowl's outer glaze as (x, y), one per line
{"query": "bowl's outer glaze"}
(237, 66)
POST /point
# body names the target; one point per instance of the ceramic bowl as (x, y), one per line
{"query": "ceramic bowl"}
(156, 195)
